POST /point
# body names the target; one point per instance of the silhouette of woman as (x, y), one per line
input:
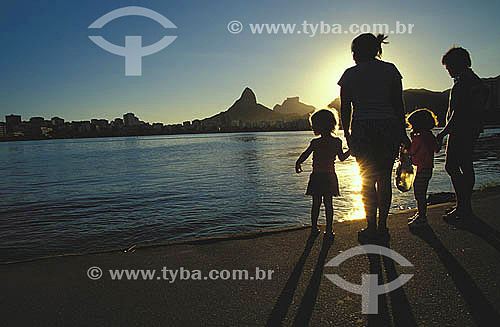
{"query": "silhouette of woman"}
(373, 120)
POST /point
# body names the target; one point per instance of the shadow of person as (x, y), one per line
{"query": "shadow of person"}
(306, 306)
(402, 314)
(285, 298)
(401, 309)
(382, 318)
(481, 310)
(478, 227)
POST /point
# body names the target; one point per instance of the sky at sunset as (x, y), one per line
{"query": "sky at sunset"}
(50, 67)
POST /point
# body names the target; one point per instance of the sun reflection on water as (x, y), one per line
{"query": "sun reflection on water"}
(357, 211)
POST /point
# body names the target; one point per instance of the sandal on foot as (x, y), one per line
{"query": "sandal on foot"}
(447, 211)
(412, 218)
(454, 214)
(329, 235)
(315, 230)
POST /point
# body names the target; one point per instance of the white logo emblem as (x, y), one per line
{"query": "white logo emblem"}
(369, 288)
(133, 51)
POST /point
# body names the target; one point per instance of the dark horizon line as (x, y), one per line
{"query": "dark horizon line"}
(200, 119)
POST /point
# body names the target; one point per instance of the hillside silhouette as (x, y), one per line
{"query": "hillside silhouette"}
(437, 102)
(246, 109)
(293, 107)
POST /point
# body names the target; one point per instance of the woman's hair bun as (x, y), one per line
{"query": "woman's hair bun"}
(367, 46)
(381, 38)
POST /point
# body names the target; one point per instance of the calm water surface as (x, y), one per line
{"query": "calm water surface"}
(64, 196)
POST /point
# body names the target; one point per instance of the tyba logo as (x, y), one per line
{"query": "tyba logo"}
(369, 288)
(133, 51)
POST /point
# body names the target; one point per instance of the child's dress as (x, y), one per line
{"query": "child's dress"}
(323, 179)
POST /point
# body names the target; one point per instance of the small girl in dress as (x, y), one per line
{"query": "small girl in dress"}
(323, 183)
(422, 148)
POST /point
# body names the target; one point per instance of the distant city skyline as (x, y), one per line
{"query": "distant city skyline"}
(50, 67)
(493, 107)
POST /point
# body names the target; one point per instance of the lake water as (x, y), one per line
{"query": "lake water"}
(68, 196)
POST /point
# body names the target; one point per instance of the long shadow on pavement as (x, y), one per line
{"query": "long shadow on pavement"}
(306, 306)
(382, 318)
(481, 310)
(285, 298)
(478, 227)
(402, 314)
(401, 309)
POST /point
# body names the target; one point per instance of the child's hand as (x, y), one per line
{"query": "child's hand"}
(298, 168)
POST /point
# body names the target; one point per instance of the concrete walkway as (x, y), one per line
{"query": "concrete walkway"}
(455, 283)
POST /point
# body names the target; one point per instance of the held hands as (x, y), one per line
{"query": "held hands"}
(405, 141)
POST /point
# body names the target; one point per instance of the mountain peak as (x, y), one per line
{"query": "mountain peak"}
(248, 96)
(292, 105)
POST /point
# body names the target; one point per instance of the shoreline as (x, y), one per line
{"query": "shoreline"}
(239, 235)
(23, 139)
(449, 260)
(208, 239)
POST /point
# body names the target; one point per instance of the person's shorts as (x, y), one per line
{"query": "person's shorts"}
(460, 147)
(375, 144)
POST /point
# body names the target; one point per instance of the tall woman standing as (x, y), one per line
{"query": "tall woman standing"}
(373, 120)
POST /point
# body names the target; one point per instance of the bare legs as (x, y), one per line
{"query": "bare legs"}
(469, 180)
(460, 168)
(463, 179)
(420, 186)
(315, 211)
(329, 213)
(369, 198)
(384, 197)
(376, 194)
(327, 200)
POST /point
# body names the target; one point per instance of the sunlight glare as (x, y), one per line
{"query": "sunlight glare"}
(357, 211)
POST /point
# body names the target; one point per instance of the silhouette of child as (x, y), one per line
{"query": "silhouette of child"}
(323, 183)
(422, 148)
